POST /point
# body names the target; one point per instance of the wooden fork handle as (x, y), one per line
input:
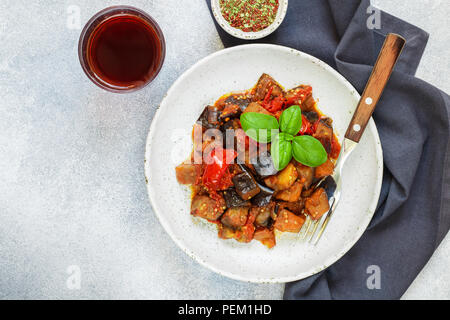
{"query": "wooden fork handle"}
(381, 73)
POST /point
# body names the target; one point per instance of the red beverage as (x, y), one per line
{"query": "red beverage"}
(121, 49)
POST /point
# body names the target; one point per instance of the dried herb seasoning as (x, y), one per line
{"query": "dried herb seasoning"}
(249, 15)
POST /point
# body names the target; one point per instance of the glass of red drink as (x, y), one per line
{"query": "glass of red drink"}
(121, 49)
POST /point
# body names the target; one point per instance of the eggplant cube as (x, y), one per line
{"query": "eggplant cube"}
(245, 185)
(263, 165)
(232, 199)
(209, 117)
(262, 199)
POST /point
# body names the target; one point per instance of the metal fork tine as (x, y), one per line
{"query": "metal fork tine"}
(316, 224)
(302, 230)
(307, 227)
(323, 223)
(322, 228)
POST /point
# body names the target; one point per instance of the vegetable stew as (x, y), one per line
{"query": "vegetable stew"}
(257, 158)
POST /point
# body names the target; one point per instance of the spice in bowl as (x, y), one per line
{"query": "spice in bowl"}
(249, 15)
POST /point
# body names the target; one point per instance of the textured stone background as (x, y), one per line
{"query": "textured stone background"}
(72, 188)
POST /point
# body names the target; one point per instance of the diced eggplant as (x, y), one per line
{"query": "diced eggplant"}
(240, 139)
(235, 139)
(265, 236)
(230, 111)
(233, 124)
(234, 169)
(213, 115)
(249, 165)
(263, 219)
(265, 188)
(240, 100)
(312, 116)
(289, 222)
(294, 207)
(246, 185)
(308, 104)
(188, 173)
(328, 121)
(292, 194)
(225, 232)
(228, 131)
(263, 214)
(284, 179)
(309, 192)
(256, 107)
(324, 133)
(263, 86)
(242, 234)
(317, 204)
(263, 165)
(234, 136)
(245, 234)
(262, 199)
(229, 141)
(209, 117)
(235, 217)
(212, 138)
(232, 199)
(325, 169)
(204, 207)
(305, 174)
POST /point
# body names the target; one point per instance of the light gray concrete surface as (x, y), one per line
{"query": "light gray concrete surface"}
(72, 190)
(434, 17)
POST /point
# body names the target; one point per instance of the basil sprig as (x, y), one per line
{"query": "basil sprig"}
(281, 150)
(286, 144)
(259, 126)
(309, 151)
(291, 120)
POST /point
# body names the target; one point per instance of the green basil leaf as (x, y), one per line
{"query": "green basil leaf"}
(291, 120)
(309, 151)
(288, 137)
(281, 151)
(259, 126)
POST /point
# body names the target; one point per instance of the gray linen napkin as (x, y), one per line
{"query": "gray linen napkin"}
(413, 121)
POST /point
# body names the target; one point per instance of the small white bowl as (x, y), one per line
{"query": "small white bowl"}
(281, 13)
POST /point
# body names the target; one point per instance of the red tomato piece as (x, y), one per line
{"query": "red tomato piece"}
(218, 161)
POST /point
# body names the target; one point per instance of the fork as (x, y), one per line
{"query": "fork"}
(381, 73)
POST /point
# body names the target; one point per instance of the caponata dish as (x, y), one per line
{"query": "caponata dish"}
(257, 161)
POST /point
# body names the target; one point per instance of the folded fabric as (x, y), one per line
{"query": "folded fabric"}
(412, 118)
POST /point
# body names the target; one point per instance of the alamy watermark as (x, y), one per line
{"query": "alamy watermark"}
(73, 281)
(374, 280)
(206, 141)
(374, 19)
(73, 17)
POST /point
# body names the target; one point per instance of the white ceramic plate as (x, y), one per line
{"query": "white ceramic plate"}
(169, 143)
